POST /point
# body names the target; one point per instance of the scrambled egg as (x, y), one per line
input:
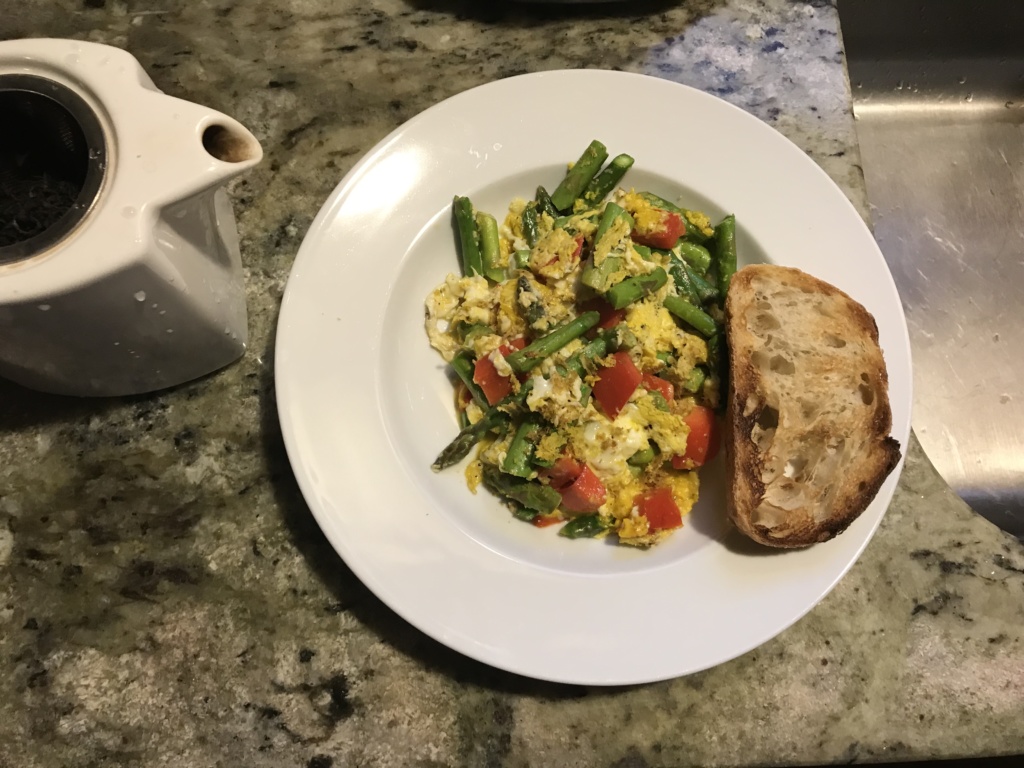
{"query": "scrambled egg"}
(628, 451)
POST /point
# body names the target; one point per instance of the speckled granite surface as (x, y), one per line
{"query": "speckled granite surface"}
(165, 596)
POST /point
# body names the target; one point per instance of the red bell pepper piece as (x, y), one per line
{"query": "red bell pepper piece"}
(616, 384)
(653, 383)
(660, 509)
(702, 442)
(585, 494)
(665, 234)
(495, 386)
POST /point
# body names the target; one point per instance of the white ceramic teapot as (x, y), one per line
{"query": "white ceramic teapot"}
(120, 270)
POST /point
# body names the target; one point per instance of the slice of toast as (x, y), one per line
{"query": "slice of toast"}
(807, 440)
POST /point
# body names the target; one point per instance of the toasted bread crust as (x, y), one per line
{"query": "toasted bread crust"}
(808, 417)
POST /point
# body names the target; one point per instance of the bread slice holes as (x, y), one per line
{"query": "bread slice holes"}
(781, 365)
(808, 409)
(768, 418)
(834, 341)
(795, 468)
(765, 305)
(762, 322)
(865, 378)
(867, 393)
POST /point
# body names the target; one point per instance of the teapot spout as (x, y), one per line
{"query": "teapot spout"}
(228, 141)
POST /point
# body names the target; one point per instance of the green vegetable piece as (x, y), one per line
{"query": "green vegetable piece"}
(666, 357)
(521, 259)
(490, 253)
(532, 495)
(693, 234)
(469, 236)
(593, 350)
(694, 380)
(470, 332)
(641, 458)
(530, 223)
(644, 251)
(520, 450)
(544, 203)
(459, 448)
(599, 187)
(579, 176)
(584, 527)
(598, 277)
(659, 400)
(635, 288)
(611, 212)
(697, 256)
(660, 202)
(462, 364)
(533, 354)
(495, 418)
(684, 285)
(524, 514)
(725, 247)
(534, 308)
(705, 291)
(696, 318)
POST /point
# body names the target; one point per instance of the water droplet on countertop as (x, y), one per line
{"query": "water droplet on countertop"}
(44, 307)
(962, 80)
(94, 154)
(140, 296)
(117, 343)
(969, 98)
(170, 330)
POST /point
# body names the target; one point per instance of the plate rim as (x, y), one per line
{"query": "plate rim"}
(322, 221)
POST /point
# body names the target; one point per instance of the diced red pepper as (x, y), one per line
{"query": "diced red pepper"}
(543, 521)
(653, 383)
(585, 494)
(610, 316)
(702, 442)
(563, 472)
(616, 384)
(660, 509)
(495, 386)
(665, 234)
(579, 247)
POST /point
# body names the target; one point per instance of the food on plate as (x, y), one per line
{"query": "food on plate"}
(807, 440)
(585, 338)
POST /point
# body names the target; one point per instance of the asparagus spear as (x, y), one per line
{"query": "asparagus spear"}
(532, 495)
(533, 354)
(469, 237)
(691, 315)
(494, 417)
(530, 223)
(579, 176)
(544, 203)
(725, 247)
(605, 181)
(520, 450)
(635, 288)
(584, 526)
(462, 364)
(487, 226)
(697, 256)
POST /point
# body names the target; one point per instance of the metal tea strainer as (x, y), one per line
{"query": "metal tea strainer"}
(53, 157)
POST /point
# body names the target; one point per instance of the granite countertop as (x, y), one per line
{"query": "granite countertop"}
(166, 598)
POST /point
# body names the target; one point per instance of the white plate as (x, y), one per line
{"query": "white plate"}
(365, 404)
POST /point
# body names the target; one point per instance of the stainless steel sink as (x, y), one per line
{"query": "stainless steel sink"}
(938, 89)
